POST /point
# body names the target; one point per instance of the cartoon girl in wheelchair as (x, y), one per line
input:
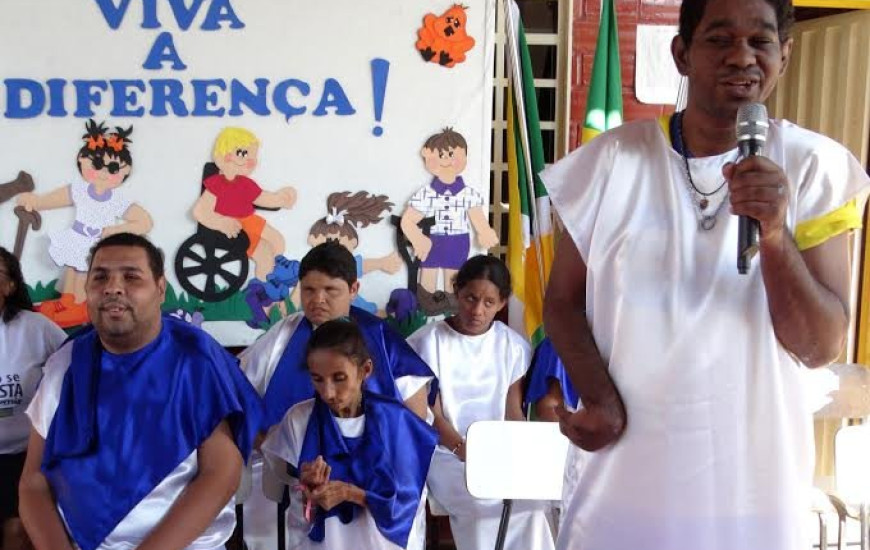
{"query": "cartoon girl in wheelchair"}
(104, 163)
(229, 230)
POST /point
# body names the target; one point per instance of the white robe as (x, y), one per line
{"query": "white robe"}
(474, 374)
(718, 449)
(140, 521)
(284, 445)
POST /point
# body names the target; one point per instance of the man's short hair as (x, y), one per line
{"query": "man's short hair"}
(330, 258)
(155, 255)
(692, 11)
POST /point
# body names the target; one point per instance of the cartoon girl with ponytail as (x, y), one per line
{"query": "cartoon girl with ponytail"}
(104, 163)
(346, 213)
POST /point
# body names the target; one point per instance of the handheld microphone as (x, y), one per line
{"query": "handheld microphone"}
(752, 125)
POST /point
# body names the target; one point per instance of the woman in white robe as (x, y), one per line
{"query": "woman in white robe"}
(480, 364)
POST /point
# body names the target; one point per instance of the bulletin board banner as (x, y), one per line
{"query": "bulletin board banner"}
(236, 134)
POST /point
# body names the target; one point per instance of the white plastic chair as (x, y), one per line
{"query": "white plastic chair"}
(852, 449)
(514, 461)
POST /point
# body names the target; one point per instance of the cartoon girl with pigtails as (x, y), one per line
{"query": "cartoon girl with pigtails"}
(104, 163)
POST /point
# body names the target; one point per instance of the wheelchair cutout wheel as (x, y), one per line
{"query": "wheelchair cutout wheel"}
(211, 266)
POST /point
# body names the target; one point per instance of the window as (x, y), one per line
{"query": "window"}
(547, 24)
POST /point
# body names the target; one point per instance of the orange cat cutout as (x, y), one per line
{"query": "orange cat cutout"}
(443, 39)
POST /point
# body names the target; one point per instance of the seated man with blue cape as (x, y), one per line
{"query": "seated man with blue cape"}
(141, 422)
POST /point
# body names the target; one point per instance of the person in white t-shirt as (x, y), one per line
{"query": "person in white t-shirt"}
(26, 340)
(480, 363)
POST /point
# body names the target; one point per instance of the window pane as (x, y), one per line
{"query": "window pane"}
(546, 103)
(539, 15)
(495, 92)
(543, 60)
(492, 149)
(549, 139)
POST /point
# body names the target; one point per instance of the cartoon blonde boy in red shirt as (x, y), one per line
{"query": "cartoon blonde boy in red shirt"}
(227, 204)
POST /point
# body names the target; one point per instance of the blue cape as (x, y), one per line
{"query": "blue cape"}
(390, 462)
(391, 355)
(546, 365)
(125, 422)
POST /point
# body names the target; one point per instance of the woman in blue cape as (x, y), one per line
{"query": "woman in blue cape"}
(361, 458)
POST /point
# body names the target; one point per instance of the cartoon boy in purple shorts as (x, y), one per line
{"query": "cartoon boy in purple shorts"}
(453, 205)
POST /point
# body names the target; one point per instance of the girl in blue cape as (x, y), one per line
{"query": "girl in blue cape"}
(361, 458)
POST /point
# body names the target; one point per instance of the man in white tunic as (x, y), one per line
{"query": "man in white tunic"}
(694, 432)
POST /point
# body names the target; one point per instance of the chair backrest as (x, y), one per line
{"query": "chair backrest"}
(406, 251)
(840, 390)
(208, 170)
(852, 449)
(515, 460)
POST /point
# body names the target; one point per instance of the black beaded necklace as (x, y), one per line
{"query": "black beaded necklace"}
(680, 146)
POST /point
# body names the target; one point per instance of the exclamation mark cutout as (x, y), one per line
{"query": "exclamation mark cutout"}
(380, 72)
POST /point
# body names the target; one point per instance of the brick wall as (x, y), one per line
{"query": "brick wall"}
(629, 14)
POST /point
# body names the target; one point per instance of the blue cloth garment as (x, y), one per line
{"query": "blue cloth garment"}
(390, 462)
(290, 383)
(124, 422)
(547, 366)
(391, 355)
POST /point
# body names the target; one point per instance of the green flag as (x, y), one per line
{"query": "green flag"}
(530, 236)
(604, 103)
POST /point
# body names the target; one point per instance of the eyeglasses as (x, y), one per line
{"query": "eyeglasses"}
(113, 167)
